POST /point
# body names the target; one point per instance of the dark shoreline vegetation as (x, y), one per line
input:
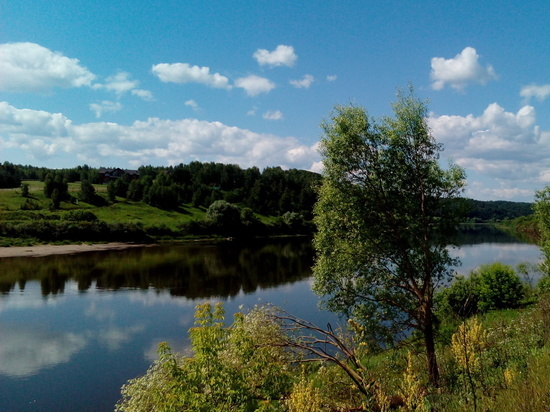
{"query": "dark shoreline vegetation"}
(155, 204)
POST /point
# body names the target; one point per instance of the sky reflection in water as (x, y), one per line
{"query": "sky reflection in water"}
(70, 339)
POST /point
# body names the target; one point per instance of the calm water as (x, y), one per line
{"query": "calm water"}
(73, 329)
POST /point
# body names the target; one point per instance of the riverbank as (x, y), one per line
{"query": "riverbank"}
(46, 250)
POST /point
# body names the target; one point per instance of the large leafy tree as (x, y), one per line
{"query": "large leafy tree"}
(542, 214)
(385, 217)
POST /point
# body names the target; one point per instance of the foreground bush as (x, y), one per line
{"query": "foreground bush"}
(240, 368)
(494, 362)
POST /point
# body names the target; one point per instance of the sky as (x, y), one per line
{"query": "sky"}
(125, 83)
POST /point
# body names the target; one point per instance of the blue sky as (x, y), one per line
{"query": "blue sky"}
(130, 83)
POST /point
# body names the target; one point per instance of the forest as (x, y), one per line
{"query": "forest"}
(272, 191)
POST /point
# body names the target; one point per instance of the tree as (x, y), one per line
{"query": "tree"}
(385, 216)
(25, 190)
(87, 192)
(224, 215)
(542, 214)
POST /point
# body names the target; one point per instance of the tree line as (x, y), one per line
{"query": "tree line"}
(273, 191)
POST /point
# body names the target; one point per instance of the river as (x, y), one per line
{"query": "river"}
(73, 329)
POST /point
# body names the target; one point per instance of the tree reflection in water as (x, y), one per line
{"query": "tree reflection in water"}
(193, 271)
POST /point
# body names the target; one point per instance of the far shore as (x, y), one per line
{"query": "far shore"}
(46, 250)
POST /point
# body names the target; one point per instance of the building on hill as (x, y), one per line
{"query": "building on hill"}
(108, 175)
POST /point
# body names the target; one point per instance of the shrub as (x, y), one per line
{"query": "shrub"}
(544, 285)
(224, 215)
(241, 368)
(29, 204)
(499, 287)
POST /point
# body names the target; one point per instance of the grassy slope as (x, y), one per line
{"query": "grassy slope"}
(120, 212)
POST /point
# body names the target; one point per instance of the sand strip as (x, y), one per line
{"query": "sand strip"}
(46, 250)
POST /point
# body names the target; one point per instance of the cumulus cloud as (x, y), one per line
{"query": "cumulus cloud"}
(29, 67)
(105, 106)
(273, 115)
(154, 141)
(533, 90)
(255, 85)
(460, 71)
(332, 78)
(185, 73)
(281, 56)
(304, 82)
(505, 146)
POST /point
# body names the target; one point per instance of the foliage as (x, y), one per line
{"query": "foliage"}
(490, 287)
(385, 218)
(544, 285)
(81, 216)
(542, 214)
(467, 346)
(239, 368)
(30, 204)
(499, 287)
(497, 210)
(87, 192)
(9, 175)
(460, 298)
(224, 215)
(25, 190)
(55, 181)
(496, 361)
(305, 397)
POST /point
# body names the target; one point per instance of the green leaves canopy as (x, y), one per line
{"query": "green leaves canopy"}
(385, 215)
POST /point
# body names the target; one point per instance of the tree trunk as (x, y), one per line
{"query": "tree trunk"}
(433, 371)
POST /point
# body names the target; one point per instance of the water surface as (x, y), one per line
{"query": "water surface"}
(73, 329)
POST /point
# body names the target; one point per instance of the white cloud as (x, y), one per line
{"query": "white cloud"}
(29, 67)
(185, 73)
(504, 146)
(255, 85)
(105, 106)
(154, 141)
(144, 94)
(273, 115)
(193, 104)
(281, 56)
(332, 78)
(305, 82)
(460, 71)
(533, 90)
(121, 83)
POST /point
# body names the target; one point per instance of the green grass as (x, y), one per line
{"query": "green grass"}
(121, 211)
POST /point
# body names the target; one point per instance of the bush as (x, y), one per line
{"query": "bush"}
(544, 285)
(494, 286)
(461, 297)
(224, 215)
(29, 204)
(499, 287)
(240, 368)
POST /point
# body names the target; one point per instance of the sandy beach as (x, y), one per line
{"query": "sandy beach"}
(45, 250)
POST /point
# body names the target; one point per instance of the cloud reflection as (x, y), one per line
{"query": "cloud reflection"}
(24, 352)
